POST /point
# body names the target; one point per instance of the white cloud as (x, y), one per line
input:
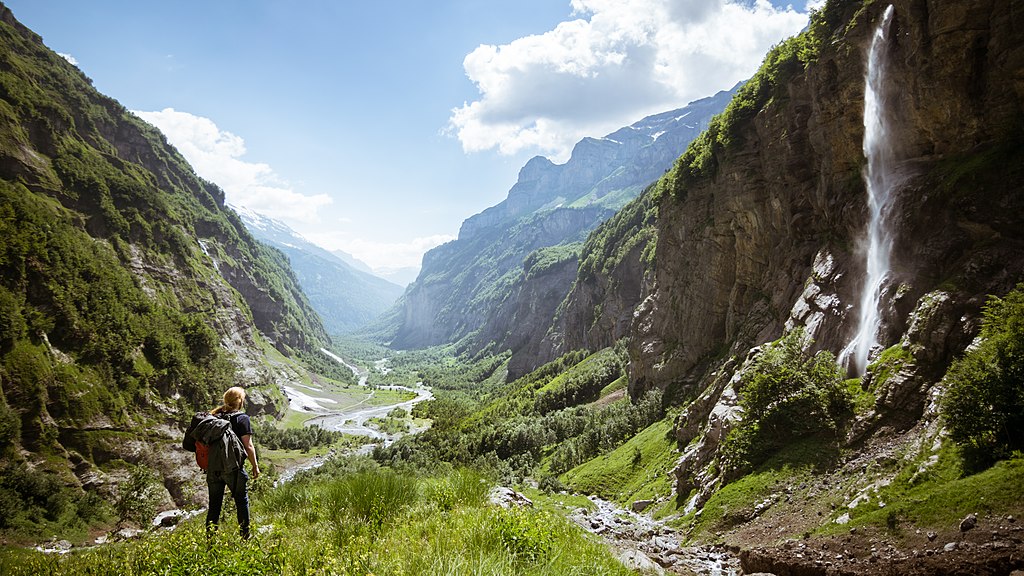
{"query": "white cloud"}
(379, 255)
(616, 62)
(69, 58)
(216, 156)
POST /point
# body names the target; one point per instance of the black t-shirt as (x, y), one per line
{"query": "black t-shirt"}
(240, 424)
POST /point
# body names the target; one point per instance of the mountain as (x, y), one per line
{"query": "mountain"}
(477, 288)
(353, 261)
(130, 295)
(344, 297)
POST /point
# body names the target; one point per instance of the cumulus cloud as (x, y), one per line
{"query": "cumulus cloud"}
(69, 58)
(616, 62)
(216, 155)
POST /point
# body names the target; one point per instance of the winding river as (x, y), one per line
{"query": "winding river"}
(353, 419)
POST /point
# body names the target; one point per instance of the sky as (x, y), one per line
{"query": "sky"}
(376, 128)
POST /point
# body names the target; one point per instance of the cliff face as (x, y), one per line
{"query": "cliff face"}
(470, 286)
(616, 273)
(467, 285)
(736, 248)
(761, 225)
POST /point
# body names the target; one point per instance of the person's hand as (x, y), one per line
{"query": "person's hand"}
(255, 472)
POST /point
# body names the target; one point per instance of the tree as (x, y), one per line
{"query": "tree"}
(984, 404)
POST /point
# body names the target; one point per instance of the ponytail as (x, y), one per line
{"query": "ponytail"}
(234, 399)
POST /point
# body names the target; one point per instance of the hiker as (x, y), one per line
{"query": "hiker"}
(227, 474)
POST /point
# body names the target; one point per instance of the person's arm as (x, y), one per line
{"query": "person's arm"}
(250, 451)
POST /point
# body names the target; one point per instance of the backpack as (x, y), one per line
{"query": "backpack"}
(217, 447)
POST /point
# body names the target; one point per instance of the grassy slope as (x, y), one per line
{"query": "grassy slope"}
(620, 476)
(362, 521)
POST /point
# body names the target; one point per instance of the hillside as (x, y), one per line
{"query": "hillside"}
(344, 296)
(129, 295)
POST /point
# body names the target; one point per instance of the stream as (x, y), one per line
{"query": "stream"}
(647, 544)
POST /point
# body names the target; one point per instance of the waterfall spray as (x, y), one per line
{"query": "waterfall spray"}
(878, 178)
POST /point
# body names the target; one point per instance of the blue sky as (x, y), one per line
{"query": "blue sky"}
(378, 127)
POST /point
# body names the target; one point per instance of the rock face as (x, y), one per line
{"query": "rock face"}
(769, 238)
(470, 285)
(773, 235)
(614, 277)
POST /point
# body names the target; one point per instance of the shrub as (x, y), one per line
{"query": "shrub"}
(984, 405)
(785, 395)
(524, 533)
(136, 497)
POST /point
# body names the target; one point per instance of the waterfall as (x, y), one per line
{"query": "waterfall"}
(879, 178)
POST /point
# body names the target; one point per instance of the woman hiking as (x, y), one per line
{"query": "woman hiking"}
(234, 478)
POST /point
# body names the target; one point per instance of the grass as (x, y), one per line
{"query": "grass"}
(639, 469)
(360, 521)
(941, 495)
(732, 504)
(619, 384)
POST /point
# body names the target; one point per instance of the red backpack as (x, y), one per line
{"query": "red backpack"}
(202, 455)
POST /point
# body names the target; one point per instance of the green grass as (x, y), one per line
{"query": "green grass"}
(615, 386)
(942, 495)
(622, 476)
(861, 400)
(368, 521)
(733, 503)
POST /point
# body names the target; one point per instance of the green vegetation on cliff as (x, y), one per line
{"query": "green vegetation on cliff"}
(984, 406)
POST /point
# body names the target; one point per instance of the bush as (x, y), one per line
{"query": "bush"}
(137, 497)
(984, 405)
(785, 395)
(524, 533)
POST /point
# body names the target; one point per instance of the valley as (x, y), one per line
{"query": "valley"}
(778, 330)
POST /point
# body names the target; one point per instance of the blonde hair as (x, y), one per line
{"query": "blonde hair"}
(234, 398)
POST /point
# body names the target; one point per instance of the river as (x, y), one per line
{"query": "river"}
(353, 419)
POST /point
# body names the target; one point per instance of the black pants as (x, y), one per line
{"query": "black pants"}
(235, 481)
